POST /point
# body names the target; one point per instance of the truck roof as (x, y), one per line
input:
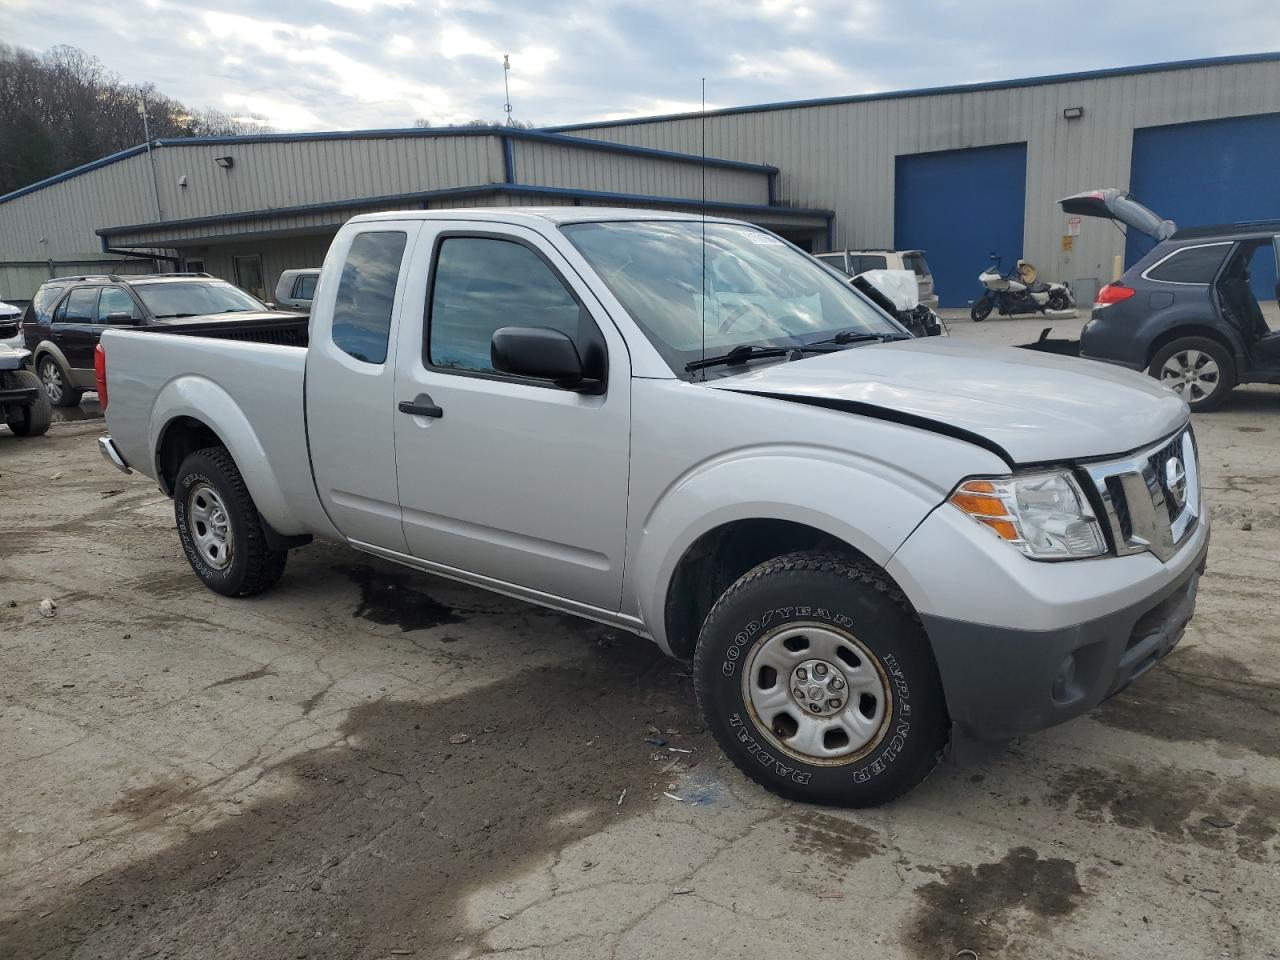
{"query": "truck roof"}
(539, 215)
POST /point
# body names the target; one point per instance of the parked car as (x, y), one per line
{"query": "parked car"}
(10, 318)
(24, 406)
(868, 544)
(854, 262)
(1187, 312)
(64, 321)
(296, 288)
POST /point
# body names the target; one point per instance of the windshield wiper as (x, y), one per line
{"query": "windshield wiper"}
(176, 316)
(753, 351)
(854, 336)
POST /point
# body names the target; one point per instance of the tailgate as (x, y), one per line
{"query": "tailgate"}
(1112, 204)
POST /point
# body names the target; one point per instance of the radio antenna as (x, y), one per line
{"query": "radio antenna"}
(506, 86)
(704, 224)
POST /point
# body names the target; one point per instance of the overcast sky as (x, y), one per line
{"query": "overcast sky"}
(348, 64)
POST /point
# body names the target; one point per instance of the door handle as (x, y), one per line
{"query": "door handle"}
(421, 406)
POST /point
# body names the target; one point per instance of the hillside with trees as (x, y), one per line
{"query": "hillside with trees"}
(64, 108)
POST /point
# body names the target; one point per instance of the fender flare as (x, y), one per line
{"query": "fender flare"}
(197, 398)
(820, 488)
(49, 348)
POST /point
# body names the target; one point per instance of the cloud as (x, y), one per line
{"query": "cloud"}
(349, 64)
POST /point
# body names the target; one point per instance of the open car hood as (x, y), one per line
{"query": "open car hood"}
(1026, 407)
(1112, 204)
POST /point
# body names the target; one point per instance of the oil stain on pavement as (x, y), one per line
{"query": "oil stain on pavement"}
(378, 840)
(978, 908)
(388, 599)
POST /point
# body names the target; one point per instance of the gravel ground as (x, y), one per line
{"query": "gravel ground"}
(369, 762)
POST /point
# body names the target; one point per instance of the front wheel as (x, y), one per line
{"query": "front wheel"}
(32, 420)
(816, 679)
(1058, 300)
(220, 529)
(980, 310)
(57, 383)
(1197, 369)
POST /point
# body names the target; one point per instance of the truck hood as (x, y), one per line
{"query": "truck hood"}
(12, 358)
(1028, 407)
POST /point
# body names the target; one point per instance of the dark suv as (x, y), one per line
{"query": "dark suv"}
(1192, 312)
(63, 322)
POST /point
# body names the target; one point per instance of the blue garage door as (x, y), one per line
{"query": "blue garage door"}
(1218, 171)
(960, 206)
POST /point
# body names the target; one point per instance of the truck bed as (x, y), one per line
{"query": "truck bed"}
(253, 387)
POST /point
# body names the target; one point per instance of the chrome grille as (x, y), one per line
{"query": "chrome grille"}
(1151, 501)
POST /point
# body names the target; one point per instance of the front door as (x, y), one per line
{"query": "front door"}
(517, 481)
(249, 276)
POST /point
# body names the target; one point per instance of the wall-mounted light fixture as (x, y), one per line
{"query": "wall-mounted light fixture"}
(1073, 113)
(226, 163)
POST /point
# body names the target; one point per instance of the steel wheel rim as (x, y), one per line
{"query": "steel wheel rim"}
(1192, 374)
(210, 526)
(51, 377)
(853, 703)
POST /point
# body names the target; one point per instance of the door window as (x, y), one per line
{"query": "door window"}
(366, 293)
(304, 288)
(116, 300)
(481, 284)
(866, 263)
(1190, 265)
(915, 263)
(80, 306)
(249, 275)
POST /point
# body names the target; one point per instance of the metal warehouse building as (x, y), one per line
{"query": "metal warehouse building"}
(959, 172)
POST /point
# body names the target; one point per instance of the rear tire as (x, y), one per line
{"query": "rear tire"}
(57, 383)
(980, 310)
(1198, 369)
(816, 678)
(33, 420)
(220, 529)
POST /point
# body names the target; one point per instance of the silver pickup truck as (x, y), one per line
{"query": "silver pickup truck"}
(870, 546)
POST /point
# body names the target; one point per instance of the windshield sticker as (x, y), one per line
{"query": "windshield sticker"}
(763, 239)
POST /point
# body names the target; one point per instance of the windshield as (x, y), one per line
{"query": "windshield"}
(759, 290)
(195, 299)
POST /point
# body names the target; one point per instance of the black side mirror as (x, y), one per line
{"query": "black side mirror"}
(538, 352)
(121, 318)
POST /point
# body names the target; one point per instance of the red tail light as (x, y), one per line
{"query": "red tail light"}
(1113, 293)
(100, 375)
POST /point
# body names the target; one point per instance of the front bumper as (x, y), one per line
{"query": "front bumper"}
(1002, 682)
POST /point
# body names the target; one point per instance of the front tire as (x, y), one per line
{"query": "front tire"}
(1058, 301)
(33, 420)
(220, 529)
(816, 678)
(980, 310)
(57, 383)
(1198, 369)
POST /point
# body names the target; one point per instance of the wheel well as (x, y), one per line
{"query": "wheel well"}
(1177, 333)
(720, 556)
(182, 437)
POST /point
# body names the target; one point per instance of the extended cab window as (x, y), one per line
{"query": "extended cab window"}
(80, 306)
(481, 284)
(362, 311)
(1192, 265)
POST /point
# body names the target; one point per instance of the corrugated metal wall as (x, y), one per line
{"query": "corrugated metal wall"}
(842, 155)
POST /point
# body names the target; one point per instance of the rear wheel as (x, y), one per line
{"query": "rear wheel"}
(1198, 369)
(32, 420)
(981, 310)
(57, 383)
(220, 529)
(817, 680)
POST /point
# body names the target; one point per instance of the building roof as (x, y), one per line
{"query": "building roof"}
(938, 91)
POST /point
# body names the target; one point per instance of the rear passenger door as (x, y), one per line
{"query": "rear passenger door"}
(351, 381)
(517, 482)
(76, 330)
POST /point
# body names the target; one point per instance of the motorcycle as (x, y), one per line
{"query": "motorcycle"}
(1019, 292)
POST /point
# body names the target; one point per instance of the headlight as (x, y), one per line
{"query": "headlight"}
(1045, 515)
